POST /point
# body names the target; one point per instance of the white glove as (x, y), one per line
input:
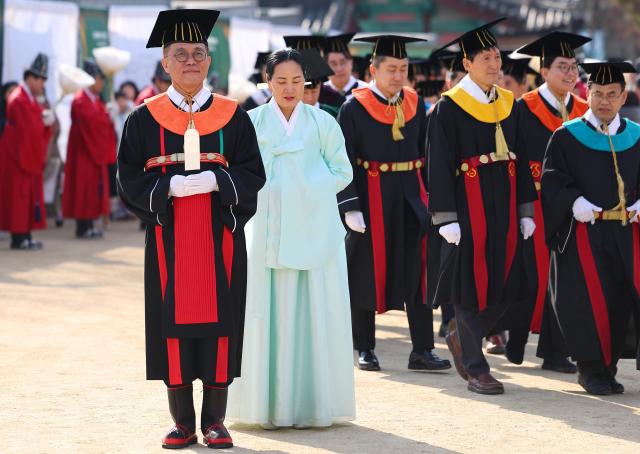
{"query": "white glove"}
(583, 210)
(177, 187)
(201, 183)
(527, 227)
(355, 221)
(48, 117)
(635, 207)
(451, 233)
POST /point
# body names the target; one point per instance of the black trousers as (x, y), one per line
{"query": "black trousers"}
(420, 317)
(472, 327)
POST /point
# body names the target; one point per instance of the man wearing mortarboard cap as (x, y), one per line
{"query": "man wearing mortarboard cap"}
(90, 150)
(316, 70)
(262, 94)
(22, 159)
(159, 84)
(189, 167)
(338, 56)
(385, 126)
(591, 202)
(540, 113)
(515, 72)
(480, 194)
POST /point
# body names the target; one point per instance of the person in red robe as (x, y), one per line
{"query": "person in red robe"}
(91, 148)
(23, 151)
(159, 84)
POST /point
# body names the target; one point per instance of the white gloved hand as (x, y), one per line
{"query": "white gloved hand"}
(527, 227)
(451, 233)
(48, 117)
(635, 207)
(177, 187)
(355, 221)
(201, 183)
(583, 210)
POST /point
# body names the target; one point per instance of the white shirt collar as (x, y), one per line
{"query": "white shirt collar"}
(374, 88)
(317, 105)
(596, 122)
(468, 85)
(352, 80)
(199, 100)
(287, 125)
(91, 96)
(545, 92)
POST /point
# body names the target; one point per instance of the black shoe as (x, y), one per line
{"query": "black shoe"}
(597, 384)
(90, 234)
(59, 222)
(427, 361)
(214, 408)
(562, 365)
(444, 330)
(616, 386)
(367, 360)
(183, 433)
(35, 244)
(26, 245)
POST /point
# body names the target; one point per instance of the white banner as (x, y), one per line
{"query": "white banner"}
(39, 26)
(129, 29)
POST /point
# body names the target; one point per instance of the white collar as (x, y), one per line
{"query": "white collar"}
(545, 92)
(199, 100)
(596, 122)
(287, 125)
(352, 80)
(468, 85)
(374, 88)
(317, 105)
(91, 96)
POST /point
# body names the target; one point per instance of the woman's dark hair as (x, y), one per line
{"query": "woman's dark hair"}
(3, 104)
(281, 56)
(131, 84)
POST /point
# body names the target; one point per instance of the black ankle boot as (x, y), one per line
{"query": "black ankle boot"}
(183, 432)
(214, 409)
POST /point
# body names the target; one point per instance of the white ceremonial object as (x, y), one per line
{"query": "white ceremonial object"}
(73, 79)
(191, 148)
(111, 60)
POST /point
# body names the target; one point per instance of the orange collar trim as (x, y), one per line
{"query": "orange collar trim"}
(551, 121)
(177, 120)
(381, 111)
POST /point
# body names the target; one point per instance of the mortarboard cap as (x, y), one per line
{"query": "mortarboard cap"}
(554, 44)
(430, 87)
(360, 65)
(182, 26)
(389, 45)
(160, 73)
(608, 72)
(479, 38)
(452, 61)
(261, 59)
(516, 67)
(315, 68)
(338, 43)
(40, 66)
(301, 42)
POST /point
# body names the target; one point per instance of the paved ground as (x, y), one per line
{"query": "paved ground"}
(72, 376)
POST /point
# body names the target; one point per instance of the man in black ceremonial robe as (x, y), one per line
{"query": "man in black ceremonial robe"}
(385, 207)
(189, 167)
(591, 202)
(480, 191)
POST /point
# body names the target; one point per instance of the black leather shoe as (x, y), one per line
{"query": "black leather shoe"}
(444, 330)
(597, 384)
(616, 386)
(367, 360)
(514, 353)
(562, 365)
(179, 437)
(427, 360)
(27, 245)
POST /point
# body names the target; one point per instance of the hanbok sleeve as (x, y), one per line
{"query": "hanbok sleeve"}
(334, 152)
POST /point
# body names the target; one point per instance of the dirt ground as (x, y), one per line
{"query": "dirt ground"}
(73, 380)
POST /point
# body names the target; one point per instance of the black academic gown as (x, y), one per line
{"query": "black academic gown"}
(405, 215)
(595, 269)
(456, 135)
(221, 218)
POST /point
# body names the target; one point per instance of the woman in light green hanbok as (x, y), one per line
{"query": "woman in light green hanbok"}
(297, 367)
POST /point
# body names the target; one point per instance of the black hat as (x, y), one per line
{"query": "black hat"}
(429, 67)
(554, 44)
(360, 64)
(261, 59)
(160, 73)
(390, 45)
(338, 43)
(91, 67)
(315, 68)
(301, 42)
(479, 38)
(40, 66)
(430, 87)
(516, 67)
(608, 72)
(182, 26)
(452, 61)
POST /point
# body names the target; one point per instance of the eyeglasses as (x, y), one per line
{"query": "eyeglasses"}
(198, 55)
(566, 68)
(610, 97)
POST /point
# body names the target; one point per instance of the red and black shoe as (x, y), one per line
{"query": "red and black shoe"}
(183, 433)
(179, 437)
(214, 409)
(216, 436)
